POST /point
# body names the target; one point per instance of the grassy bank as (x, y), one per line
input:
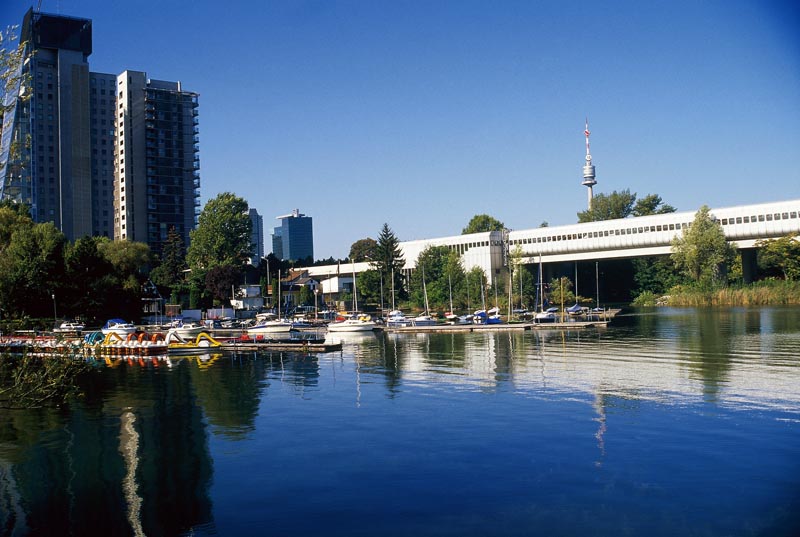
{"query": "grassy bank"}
(763, 293)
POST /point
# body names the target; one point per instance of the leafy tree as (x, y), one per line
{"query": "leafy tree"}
(222, 236)
(702, 252)
(651, 204)
(609, 206)
(221, 280)
(13, 216)
(780, 256)
(388, 260)
(169, 272)
(522, 278)
(130, 259)
(369, 287)
(481, 223)
(363, 250)
(474, 289)
(656, 275)
(90, 284)
(561, 292)
(622, 205)
(32, 269)
(442, 268)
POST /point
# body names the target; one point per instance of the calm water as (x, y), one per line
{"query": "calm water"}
(677, 422)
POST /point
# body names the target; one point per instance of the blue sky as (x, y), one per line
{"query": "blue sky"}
(423, 114)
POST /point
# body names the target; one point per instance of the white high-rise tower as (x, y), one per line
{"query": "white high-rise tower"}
(588, 168)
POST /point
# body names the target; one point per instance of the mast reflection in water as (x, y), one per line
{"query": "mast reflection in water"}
(673, 422)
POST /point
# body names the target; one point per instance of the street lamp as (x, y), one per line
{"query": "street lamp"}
(316, 310)
(55, 315)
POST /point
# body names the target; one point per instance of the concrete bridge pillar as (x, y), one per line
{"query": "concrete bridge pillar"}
(749, 264)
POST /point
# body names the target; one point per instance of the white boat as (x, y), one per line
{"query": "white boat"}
(550, 315)
(119, 327)
(397, 319)
(271, 327)
(423, 320)
(69, 326)
(189, 329)
(353, 325)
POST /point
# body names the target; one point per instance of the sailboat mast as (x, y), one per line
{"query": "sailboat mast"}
(355, 290)
(541, 283)
(392, 288)
(425, 290)
(450, 286)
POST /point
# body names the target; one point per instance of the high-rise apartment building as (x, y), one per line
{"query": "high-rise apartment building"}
(157, 183)
(102, 107)
(256, 237)
(296, 236)
(45, 150)
(96, 153)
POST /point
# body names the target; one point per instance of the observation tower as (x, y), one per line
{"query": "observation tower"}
(588, 168)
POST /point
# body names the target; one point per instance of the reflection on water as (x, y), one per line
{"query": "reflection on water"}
(567, 432)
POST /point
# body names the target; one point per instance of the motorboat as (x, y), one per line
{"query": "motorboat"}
(275, 326)
(423, 320)
(69, 326)
(118, 326)
(357, 324)
(397, 319)
(189, 329)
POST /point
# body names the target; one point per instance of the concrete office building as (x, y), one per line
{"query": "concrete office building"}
(157, 183)
(294, 239)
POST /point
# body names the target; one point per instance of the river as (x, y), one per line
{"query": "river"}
(669, 422)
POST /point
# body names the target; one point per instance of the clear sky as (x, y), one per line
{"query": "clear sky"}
(421, 114)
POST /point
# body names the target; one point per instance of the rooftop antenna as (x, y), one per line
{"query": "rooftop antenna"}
(588, 168)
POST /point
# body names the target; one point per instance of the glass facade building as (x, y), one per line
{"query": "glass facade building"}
(294, 239)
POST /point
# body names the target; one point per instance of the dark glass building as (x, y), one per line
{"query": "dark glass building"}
(294, 239)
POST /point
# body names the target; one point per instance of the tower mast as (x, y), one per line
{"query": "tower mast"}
(588, 168)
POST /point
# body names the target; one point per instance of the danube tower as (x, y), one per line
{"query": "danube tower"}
(588, 168)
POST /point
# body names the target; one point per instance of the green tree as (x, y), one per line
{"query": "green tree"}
(90, 285)
(221, 281)
(780, 256)
(523, 286)
(623, 204)
(363, 250)
(656, 275)
(560, 292)
(169, 272)
(440, 266)
(609, 206)
(222, 236)
(475, 289)
(369, 287)
(651, 204)
(31, 270)
(388, 260)
(702, 252)
(481, 223)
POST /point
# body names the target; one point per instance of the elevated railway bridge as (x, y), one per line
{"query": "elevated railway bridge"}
(643, 236)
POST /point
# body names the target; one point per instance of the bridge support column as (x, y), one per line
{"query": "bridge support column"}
(749, 264)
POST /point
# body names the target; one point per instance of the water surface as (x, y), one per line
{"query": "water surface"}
(672, 422)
